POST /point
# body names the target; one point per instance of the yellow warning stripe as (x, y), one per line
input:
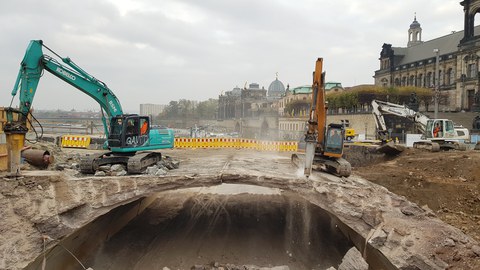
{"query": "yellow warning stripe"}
(290, 146)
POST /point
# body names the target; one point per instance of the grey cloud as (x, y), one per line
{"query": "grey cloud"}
(149, 55)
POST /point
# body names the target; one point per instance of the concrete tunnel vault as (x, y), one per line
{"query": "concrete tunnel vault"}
(129, 204)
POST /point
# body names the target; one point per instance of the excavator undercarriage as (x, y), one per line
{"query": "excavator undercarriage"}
(135, 164)
(338, 166)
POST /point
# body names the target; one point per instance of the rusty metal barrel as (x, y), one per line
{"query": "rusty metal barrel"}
(38, 158)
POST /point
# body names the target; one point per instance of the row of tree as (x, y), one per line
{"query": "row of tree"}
(361, 96)
(183, 109)
(359, 99)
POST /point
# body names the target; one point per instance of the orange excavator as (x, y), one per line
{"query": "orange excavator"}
(323, 143)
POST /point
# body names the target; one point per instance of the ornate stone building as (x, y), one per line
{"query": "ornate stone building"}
(249, 102)
(252, 109)
(458, 55)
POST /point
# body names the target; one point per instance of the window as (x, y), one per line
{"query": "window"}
(116, 126)
(397, 82)
(132, 126)
(448, 77)
(420, 80)
(449, 126)
(472, 70)
(143, 126)
(384, 82)
(429, 80)
(412, 80)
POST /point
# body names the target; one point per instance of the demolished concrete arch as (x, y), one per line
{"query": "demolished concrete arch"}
(399, 234)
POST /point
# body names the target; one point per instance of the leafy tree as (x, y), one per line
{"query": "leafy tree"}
(207, 109)
(191, 109)
(297, 107)
(170, 111)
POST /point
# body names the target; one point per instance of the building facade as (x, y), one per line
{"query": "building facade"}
(449, 63)
(252, 109)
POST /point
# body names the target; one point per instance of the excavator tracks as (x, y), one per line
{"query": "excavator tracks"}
(339, 167)
(138, 163)
(135, 164)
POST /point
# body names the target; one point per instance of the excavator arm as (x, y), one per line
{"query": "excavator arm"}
(380, 108)
(32, 67)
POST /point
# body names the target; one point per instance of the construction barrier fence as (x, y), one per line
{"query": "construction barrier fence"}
(287, 146)
(76, 141)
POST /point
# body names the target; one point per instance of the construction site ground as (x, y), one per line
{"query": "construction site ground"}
(447, 182)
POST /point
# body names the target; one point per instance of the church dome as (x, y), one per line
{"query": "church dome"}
(414, 24)
(276, 88)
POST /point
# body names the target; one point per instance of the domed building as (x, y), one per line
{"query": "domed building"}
(276, 89)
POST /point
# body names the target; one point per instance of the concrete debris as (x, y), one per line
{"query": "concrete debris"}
(218, 266)
(448, 242)
(100, 173)
(476, 250)
(160, 169)
(160, 172)
(412, 210)
(170, 163)
(152, 170)
(105, 168)
(121, 173)
(117, 168)
(378, 238)
(353, 260)
(331, 268)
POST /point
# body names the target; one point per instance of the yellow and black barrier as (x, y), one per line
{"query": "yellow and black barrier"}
(76, 141)
(287, 146)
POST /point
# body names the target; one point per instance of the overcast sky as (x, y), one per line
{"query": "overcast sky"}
(155, 51)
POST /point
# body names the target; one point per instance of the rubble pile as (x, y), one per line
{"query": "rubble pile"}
(70, 160)
(228, 266)
(161, 168)
(352, 260)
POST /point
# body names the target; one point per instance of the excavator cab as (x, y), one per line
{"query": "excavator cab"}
(440, 129)
(129, 131)
(333, 144)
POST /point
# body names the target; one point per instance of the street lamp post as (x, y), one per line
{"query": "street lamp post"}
(437, 81)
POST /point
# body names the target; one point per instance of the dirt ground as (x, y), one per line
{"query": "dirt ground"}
(446, 182)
